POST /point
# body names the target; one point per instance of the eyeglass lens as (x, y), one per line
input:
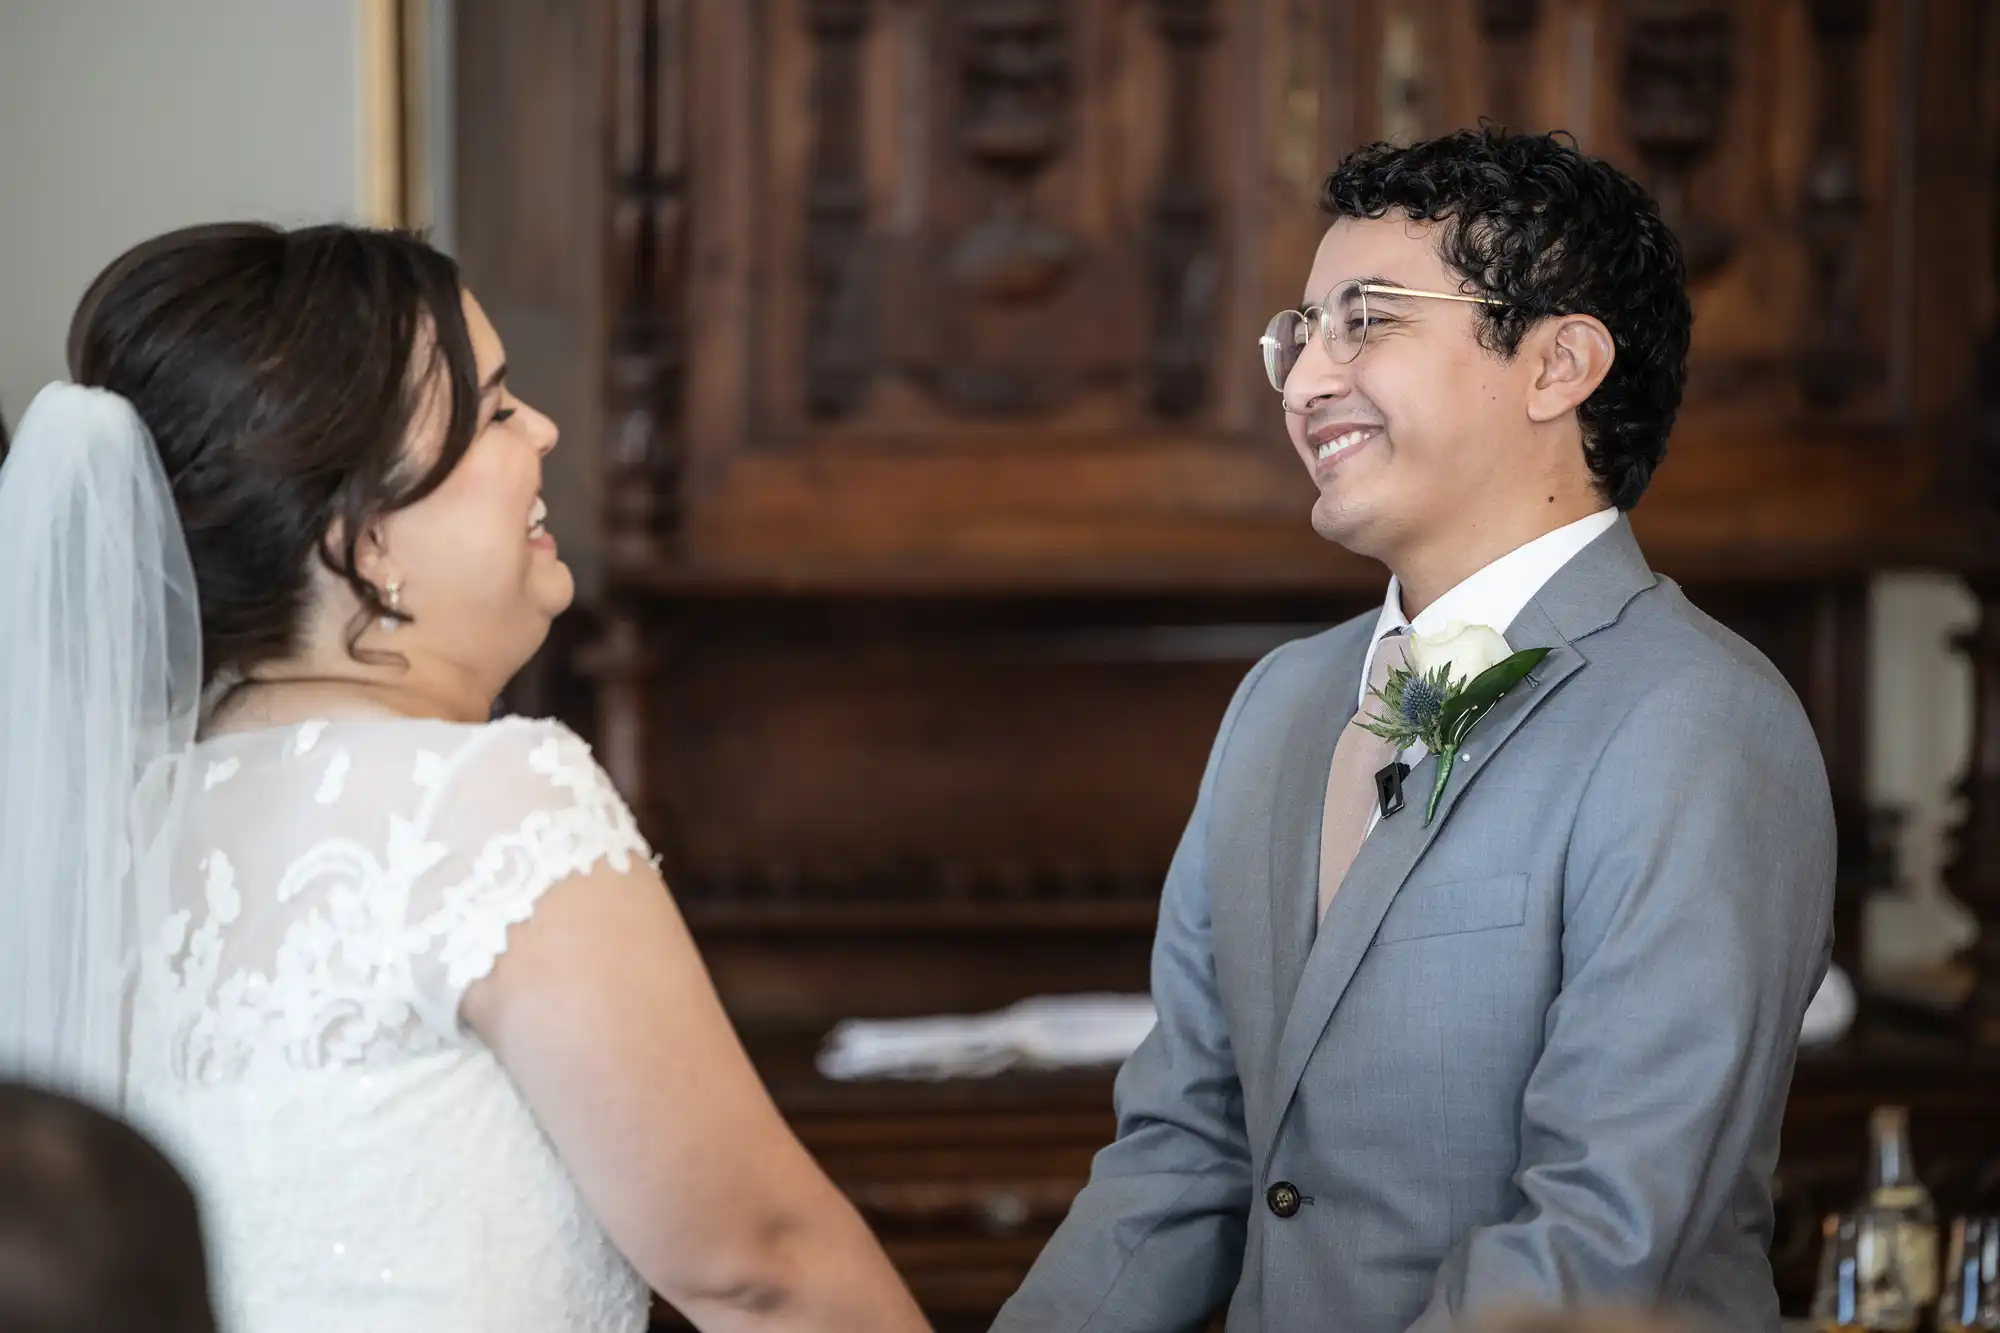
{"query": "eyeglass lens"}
(1341, 323)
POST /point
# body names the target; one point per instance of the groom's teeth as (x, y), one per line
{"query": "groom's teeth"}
(1341, 442)
(537, 517)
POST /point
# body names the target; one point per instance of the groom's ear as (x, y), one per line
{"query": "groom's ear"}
(1571, 355)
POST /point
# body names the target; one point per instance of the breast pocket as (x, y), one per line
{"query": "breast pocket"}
(1491, 902)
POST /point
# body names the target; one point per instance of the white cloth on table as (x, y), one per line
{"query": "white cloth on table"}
(1047, 1032)
(1831, 1012)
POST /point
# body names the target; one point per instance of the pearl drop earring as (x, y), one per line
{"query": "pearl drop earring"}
(395, 591)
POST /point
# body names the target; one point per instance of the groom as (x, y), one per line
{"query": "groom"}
(1536, 1047)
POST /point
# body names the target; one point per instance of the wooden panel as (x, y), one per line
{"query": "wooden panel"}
(832, 782)
(978, 284)
(986, 256)
(896, 297)
(855, 763)
(965, 739)
(529, 214)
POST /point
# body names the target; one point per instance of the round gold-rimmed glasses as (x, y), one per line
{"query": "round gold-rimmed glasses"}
(1343, 320)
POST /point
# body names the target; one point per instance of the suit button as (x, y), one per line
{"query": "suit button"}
(1283, 1198)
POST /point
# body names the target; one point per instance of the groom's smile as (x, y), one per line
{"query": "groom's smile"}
(1332, 443)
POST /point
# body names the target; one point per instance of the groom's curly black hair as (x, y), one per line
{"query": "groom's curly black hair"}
(1531, 220)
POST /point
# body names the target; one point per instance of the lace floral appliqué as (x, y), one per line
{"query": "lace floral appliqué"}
(360, 922)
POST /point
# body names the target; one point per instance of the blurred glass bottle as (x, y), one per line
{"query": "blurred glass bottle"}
(1971, 1298)
(1899, 1274)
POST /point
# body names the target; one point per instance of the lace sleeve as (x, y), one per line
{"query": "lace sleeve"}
(521, 812)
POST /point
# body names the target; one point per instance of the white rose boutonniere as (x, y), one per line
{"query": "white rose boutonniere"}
(1466, 649)
(1454, 679)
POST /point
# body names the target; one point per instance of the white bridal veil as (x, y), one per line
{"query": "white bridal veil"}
(100, 684)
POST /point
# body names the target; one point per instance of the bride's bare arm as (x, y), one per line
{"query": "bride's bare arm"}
(603, 1015)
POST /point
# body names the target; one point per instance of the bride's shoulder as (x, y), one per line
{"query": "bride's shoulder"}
(454, 778)
(541, 743)
(513, 760)
(497, 769)
(435, 750)
(507, 810)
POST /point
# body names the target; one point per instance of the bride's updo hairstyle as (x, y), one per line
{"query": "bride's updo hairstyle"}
(280, 373)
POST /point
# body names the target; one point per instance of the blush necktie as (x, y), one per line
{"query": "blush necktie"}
(1350, 783)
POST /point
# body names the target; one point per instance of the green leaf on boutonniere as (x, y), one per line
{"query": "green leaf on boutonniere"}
(1484, 690)
(1445, 760)
(1466, 706)
(1428, 709)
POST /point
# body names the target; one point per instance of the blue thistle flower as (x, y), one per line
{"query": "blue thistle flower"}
(1421, 703)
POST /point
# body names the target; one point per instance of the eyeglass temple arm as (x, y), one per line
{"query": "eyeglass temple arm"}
(1437, 296)
(1408, 291)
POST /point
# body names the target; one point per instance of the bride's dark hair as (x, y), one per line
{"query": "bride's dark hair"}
(279, 374)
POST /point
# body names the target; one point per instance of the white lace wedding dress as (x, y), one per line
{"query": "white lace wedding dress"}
(364, 1164)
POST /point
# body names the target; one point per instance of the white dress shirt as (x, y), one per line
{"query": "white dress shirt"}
(1492, 597)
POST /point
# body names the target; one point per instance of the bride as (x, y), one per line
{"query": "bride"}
(398, 985)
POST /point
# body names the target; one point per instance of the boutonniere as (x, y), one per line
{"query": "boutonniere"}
(1454, 678)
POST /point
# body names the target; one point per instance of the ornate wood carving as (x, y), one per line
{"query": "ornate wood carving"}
(1011, 297)
(1402, 90)
(837, 358)
(647, 270)
(1509, 29)
(1296, 147)
(1834, 354)
(773, 890)
(1185, 266)
(1680, 67)
(993, 316)
(1016, 79)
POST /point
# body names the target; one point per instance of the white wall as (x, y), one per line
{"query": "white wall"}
(123, 118)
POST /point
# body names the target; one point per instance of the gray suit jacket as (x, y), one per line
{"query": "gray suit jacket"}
(1537, 1051)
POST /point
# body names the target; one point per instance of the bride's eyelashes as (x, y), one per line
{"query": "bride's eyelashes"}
(502, 414)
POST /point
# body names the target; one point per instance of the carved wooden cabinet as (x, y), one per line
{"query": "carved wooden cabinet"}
(930, 503)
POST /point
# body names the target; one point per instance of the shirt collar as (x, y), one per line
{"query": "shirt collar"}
(1496, 594)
